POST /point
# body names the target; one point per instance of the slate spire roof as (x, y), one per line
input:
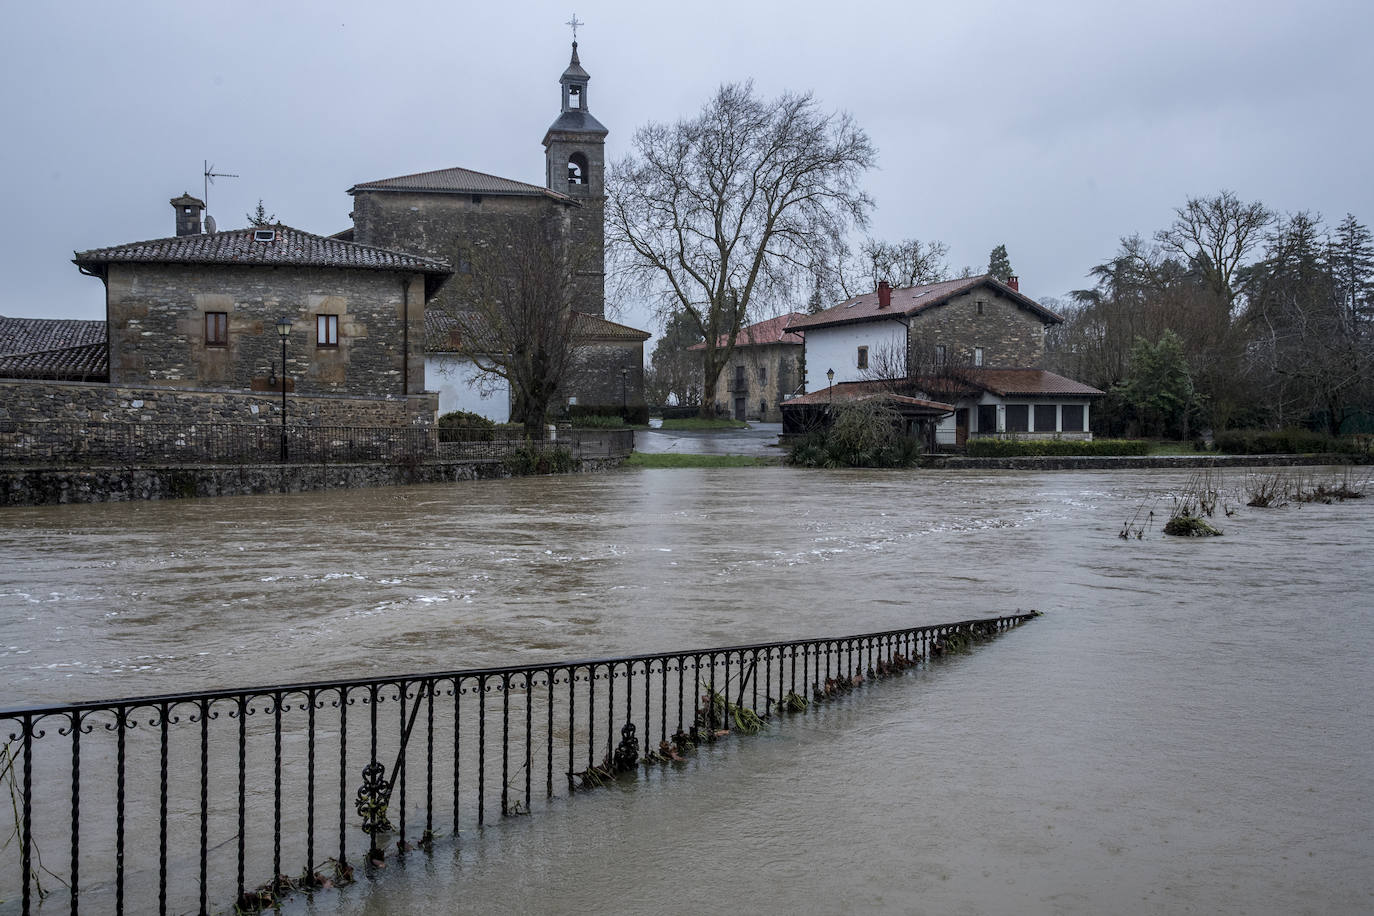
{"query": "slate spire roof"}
(459, 181)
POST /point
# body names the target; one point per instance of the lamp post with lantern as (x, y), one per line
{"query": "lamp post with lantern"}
(283, 331)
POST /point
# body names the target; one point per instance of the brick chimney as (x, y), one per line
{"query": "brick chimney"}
(884, 294)
(188, 211)
(1014, 282)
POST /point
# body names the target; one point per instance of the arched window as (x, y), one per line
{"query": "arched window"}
(577, 169)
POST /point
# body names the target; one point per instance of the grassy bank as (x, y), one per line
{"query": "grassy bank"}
(678, 460)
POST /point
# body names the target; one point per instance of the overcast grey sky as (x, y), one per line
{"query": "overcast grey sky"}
(1053, 127)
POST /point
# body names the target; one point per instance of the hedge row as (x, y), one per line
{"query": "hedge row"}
(633, 414)
(1295, 441)
(1019, 448)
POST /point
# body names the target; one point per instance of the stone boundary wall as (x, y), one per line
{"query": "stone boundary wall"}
(1109, 463)
(54, 486)
(82, 403)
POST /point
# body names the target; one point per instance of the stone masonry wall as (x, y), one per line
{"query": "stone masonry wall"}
(52, 486)
(27, 401)
(461, 227)
(157, 327)
(781, 365)
(596, 380)
(1011, 336)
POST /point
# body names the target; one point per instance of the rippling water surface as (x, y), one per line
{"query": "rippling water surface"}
(1189, 729)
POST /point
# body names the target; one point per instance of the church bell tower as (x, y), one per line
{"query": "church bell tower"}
(575, 165)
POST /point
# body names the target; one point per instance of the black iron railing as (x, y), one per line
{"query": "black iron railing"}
(204, 801)
(145, 444)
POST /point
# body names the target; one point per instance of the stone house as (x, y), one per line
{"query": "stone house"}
(193, 333)
(975, 343)
(764, 369)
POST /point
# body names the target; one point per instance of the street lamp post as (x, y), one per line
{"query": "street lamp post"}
(829, 378)
(283, 331)
(624, 391)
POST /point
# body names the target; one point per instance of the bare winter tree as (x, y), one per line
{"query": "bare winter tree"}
(909, 262)
(1214, 235)
(518, 315)
(732, 206)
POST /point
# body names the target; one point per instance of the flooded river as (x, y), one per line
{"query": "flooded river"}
(1188, 729)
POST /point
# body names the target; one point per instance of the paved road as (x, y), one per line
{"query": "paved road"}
(758, 439)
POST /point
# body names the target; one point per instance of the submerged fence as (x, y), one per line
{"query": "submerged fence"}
(205, 801)
(98, 443)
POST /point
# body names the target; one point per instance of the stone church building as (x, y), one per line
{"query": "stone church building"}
(205, 326)
(456, 214)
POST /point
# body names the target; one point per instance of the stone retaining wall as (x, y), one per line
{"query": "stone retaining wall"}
(1108, 463)
(79, 402)
(52, 486)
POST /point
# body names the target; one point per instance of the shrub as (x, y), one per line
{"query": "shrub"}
(527, 460)
(679, 413)
(633, 414)
(1020, 448)
(463, 426)
(599, 421)
(1292, 441)
(864, 434)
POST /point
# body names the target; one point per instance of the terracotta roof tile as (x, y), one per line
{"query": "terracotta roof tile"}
(32, 335)
(78, 363)
(863, 391)
(1012, 382)
(772, 331)
(239, 246)
(913, 300)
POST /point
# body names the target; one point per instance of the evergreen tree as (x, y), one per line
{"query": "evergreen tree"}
(999, 265)
(1351, 256)
(260, 217)
(1160, 387)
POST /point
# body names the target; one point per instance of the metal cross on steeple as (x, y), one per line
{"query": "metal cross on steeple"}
(574, 23)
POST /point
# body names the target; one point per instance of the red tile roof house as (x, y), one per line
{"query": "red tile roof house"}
(976, 344)
(765, 368)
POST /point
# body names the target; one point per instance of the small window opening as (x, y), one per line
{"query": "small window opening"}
(980, 306)
(978, 356)
(939, 354)
(577, 169)
(264, 235)
(763, 407)
(326, 330)
(217, 329)
(863, 358)
(477, 198)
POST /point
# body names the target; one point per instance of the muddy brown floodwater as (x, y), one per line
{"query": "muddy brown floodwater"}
(1190, 728)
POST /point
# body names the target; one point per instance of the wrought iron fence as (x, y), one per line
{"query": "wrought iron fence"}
(96, 443)
(205, 801)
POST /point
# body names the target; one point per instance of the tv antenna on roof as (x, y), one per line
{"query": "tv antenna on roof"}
(210, 176)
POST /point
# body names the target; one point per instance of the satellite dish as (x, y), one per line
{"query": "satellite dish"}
(209, 224)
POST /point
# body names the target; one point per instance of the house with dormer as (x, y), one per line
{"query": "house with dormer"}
(975, 344)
